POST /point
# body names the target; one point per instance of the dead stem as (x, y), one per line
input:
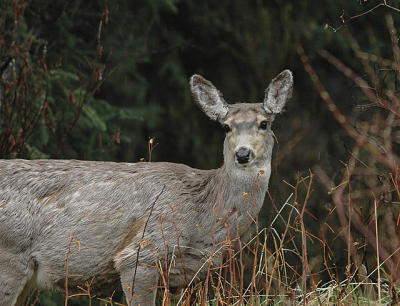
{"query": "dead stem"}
(139, 247)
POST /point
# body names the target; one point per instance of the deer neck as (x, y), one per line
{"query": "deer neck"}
(232, 191)
(231, 197)
(241, 190)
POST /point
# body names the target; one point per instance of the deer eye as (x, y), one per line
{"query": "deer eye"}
(227, 128)
(263, 125)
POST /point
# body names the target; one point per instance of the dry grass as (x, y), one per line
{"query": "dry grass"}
(354, 257)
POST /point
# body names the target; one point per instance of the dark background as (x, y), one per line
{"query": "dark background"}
(149, 50)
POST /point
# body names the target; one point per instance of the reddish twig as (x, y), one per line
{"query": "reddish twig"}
(351, 18)
(140, 244)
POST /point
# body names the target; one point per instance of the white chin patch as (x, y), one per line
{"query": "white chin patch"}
(245, 165)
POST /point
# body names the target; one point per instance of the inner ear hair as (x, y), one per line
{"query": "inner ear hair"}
(278, 92)
(208, 98)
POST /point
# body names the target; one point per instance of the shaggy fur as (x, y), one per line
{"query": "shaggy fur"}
(106, 205)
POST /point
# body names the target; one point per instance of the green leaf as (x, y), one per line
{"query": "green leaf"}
(44, 133)
(97, 121)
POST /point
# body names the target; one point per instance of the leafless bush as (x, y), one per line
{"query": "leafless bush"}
(366, 198)
(27, 81)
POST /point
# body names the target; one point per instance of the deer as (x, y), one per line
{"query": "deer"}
(119, 215)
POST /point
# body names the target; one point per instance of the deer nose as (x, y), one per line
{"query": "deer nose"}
(243, 155)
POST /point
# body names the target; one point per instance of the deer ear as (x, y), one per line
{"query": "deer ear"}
(278, 92)
(208, 98)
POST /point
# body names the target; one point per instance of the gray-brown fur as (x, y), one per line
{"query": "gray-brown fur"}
(105, 206)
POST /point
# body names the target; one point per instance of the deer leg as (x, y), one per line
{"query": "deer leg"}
(14, 274)
(144, 286)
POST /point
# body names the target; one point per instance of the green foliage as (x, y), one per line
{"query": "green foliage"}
(50, 84)
(150, 50)
(65, 93)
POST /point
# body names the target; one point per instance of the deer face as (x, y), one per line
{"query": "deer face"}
(249, 138)
(248, 134)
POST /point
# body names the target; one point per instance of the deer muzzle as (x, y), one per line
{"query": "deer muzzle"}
(243, 155)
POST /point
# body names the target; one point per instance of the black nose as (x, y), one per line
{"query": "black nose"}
(243, 155)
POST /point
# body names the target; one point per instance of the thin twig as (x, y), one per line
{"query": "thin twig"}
(351, 18)
(377, 255)
(306, 269)
(140, 244)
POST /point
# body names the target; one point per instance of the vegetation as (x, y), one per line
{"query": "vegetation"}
(97, 80)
